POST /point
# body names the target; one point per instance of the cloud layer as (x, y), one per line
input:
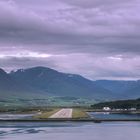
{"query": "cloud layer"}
(97, 39)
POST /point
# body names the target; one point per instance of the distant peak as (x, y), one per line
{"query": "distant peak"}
(41, 68)
(19, 70)
(2, 71)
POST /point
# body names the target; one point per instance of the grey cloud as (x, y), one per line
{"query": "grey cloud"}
(95, 29)
(13, 63)
(92, 27)
(95, 3)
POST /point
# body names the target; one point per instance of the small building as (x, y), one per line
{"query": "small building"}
(106, 108)
(132, 109)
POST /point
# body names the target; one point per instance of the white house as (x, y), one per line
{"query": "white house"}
(106, 108)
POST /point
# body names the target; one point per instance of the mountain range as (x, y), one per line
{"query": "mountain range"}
(42, 82)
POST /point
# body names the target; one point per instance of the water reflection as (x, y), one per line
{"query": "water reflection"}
(107, 115)
(15, 116)
(70, 131)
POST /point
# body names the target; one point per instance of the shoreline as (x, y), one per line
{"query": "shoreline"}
(71, 120)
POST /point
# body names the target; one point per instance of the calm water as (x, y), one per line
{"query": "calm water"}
(4, 116)
(105, 115)
(70, 131)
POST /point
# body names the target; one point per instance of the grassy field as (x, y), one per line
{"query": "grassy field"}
(79, 113)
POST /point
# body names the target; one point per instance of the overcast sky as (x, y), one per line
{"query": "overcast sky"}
(99, 39)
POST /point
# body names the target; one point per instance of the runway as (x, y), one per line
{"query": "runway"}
(63, 113)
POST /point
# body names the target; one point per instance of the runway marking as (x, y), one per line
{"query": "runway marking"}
(63, 113)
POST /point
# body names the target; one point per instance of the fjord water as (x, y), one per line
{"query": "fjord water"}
(70, 131)
(107, 115)
(6, 116)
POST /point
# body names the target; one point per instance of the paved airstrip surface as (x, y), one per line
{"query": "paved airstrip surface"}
(63, 113)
